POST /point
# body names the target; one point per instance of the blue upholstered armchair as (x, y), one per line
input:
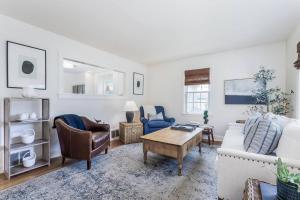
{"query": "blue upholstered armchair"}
(155, 125)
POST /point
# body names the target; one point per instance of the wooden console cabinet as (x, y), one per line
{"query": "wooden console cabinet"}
(131, 132)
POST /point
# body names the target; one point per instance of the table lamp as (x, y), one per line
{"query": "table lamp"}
(130, 107)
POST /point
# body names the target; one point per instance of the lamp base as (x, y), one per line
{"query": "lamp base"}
(129, 116)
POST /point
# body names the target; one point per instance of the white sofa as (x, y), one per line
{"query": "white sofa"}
(235, 165)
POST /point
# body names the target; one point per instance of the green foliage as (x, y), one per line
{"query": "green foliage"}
(285, 176)
(264, 75)
(275, 100)
(205, 116)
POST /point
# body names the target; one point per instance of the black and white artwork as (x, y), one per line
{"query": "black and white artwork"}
(138, 83)
(240, 91)
(26, 66)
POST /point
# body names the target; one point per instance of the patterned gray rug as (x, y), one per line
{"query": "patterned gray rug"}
(121, 174)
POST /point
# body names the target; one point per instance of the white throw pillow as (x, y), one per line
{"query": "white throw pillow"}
(158, 116)
(149, 110)
(279, 119)
(289, 143)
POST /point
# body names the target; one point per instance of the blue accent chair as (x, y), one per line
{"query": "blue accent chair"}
(155, 125)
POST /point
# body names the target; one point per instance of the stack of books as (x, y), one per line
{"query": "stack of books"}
(185, 127)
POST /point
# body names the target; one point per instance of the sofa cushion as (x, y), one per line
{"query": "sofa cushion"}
(233, 139)
(250, 121)
(262, 137)
(158, 124)
(289, 144)
(99, 138)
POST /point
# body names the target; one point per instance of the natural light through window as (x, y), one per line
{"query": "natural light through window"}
(196, 98)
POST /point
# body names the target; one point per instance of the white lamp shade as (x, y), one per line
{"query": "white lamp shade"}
(130, 106)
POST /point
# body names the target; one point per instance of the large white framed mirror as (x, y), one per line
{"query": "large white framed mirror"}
(80, 79)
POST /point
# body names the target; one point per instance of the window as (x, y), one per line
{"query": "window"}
(196, 98)
(196, 91)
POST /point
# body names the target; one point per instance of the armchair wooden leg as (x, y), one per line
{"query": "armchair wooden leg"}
(106, 150)
(63, 160)
(88, 163)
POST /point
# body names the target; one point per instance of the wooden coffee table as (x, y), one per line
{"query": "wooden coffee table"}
(173, 143)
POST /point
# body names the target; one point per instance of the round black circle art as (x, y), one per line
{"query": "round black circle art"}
(138, 83)
(27, 67)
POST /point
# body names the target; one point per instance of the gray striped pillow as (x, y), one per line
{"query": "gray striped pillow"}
(250, 121)
(262, 137)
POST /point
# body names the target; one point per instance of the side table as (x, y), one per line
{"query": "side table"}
(130, 132)
(209, 131)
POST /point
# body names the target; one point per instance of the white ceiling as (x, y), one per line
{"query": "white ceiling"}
(152, 31)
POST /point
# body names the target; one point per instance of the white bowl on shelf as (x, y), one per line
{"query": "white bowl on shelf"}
(29, 159)
(22, 116)
(28, 136)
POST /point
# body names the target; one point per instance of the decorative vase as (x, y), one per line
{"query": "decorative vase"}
(287, 191)
(29, 92)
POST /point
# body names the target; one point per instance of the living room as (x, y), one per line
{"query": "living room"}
(147, 60)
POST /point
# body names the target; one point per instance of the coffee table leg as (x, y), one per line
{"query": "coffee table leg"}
(180, 161)
(145, 153)
(199, 145)
(179, 167)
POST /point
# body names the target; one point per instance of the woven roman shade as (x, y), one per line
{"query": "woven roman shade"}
(196, 76)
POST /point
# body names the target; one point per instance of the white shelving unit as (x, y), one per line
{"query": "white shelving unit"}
(41, 144)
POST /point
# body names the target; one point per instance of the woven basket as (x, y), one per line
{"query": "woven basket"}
(287, 191)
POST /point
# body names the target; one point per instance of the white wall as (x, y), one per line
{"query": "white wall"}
(57, 46)
(292, 80)
(165, 81)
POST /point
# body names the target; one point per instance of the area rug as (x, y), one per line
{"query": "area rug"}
(121, 174)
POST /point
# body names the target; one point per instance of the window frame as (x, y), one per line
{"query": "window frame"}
(185, 99)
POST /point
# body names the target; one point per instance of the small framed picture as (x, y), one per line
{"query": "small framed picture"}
(26, 66)
(138, 83)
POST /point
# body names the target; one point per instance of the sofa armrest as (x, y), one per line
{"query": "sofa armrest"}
(257, 157)
(144, 120)
(170, 119)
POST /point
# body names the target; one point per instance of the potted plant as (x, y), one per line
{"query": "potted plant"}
(273, 99)
(288, 184)
(205, 117)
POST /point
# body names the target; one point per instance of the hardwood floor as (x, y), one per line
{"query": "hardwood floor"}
(55, 164)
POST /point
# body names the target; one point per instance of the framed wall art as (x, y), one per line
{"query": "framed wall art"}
(240, 91)
(26, 66)
(138, 83)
